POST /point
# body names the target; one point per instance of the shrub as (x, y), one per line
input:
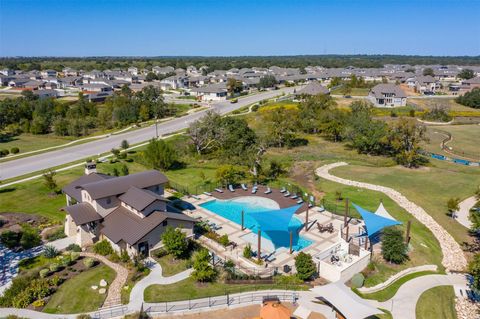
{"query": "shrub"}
(55, 234)
(55, 280)
(66, 261)
(30, 237)
(84, 316)
(103, 248)
(74, 255)
(18, 285)
(74, 247)
(223, 240)
(50, 251)
(89, 262)
(44, 273)
(124, 257)
(10, 239)
(4, 152)
(38, 303)
(394, 249)
(357, 280)
(175, 241)
(114, 257)
(247, 251)
(54, 267)
(14, 150)
(202, 270)
(305, 266)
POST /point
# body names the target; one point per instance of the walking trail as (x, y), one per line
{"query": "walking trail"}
(464, 211)
(453, 257)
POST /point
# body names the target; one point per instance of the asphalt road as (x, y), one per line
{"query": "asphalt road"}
(34, 163)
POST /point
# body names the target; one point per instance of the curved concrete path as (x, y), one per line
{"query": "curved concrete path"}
(453, 257)
(404, 303)
(464, 211)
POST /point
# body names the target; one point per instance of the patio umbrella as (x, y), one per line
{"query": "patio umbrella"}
(275, 310)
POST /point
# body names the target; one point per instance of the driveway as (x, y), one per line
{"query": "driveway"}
(35, 163)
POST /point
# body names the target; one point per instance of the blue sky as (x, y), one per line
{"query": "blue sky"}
(230, 27)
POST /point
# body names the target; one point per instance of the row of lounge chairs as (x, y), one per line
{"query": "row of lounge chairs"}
(286, 193)
(266, 257)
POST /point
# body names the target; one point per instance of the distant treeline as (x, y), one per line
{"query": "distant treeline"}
(225, 63)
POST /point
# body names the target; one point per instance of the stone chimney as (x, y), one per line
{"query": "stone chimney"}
(90, 167)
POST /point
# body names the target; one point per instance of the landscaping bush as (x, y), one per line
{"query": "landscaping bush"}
(305, 266)
(14, 150)
(30, 237)
(55, 280)
(54, 267)
(4, 152)
(89, 262)
(103, 248)
(223, 240)
(74, 247)
(38, 303)
(394, 249)
(124, 257)
(84, 316)
(66, 261)
(50, 252)
(357, 280)
(175, 241)
(10, 239)
(74, 255)
(247, 251)
(202, 270)
(55, 234)
(44, 273)
(114, 257)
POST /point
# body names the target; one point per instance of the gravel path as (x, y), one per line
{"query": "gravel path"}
(453, 257)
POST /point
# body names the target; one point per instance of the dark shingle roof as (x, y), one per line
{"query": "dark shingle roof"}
(380, 89)
(82, 213)
(119, 185)
(313, 88)
(140, 198)
(122, 224)
(73, 189)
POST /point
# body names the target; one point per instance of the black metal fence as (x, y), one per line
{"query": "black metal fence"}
(112, 312)
(226, 300)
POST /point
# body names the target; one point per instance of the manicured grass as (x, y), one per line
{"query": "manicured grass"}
(189, 289)
(353, 92)
(76, 295)
(438, 302)
(34, 262)
(171, 265)
(430, 187)
(31, 142)
(391, 290)
(465, 140)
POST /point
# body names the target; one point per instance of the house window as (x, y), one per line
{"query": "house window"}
(164, 223)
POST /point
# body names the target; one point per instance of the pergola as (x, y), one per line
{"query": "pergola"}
(344, 301)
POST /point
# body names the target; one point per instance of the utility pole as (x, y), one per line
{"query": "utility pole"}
(156, 127)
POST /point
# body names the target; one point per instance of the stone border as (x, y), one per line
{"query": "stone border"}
(392, 279)
(453, 257)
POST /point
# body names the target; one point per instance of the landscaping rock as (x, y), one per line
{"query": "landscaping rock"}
(103, 283)
(94, 287)
(102, 291)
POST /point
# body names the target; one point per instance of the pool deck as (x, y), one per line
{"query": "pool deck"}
(275, 195)
(321, 241)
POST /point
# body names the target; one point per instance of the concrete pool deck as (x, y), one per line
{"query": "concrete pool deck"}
(321, 241)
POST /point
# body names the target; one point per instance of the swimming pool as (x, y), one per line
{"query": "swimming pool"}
(231, 209)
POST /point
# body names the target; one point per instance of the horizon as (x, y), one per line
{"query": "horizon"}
(211, 28)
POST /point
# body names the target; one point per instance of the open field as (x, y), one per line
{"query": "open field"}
(438, 303)
(465, 140)
(190, 289)
(66, 298)
(455, 108)
(430, 187)
(353, 92)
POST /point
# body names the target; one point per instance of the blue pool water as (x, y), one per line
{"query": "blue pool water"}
(231, 210)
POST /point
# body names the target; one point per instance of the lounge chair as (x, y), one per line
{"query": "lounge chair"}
(230, 188)
(321, 209)
(268, 191)
(300, 201)
(270, 258)
(219, 190)
(294, 196)
(244, 187)
(254, 189)
(286, 194)
(207, 193)
(283, 190)
(310, 205)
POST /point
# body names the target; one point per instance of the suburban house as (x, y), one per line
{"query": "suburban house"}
(387, 95)
(212, 92)
(422, 84)
(128, 211)
(470, 84)
(313, 88)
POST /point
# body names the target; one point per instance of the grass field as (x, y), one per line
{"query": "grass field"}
(438, 303)
(76, 294)
(465, 140)
(31, 142)
(353, 92)
(430, 187)
(172, 266)
(443, 102)
(189, 289)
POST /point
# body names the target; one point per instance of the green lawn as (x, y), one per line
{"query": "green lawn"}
(189, 289)
(465, 140)
(438, 303)
(171, 265)
(354, 91)
(391, 290)
(76, 295)
(430, 187)
(31, 142)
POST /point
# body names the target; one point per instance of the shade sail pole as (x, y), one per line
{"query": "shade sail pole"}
(259, 244)
(243, 218)
(291, 242)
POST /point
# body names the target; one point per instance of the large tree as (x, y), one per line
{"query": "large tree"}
(466, 74)
(404, 139)
(204, 133)
(305, 266)
(428, 71)
(234, 86)
(159, 154)
(202, 270)
(267, 81)
(175, 242)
